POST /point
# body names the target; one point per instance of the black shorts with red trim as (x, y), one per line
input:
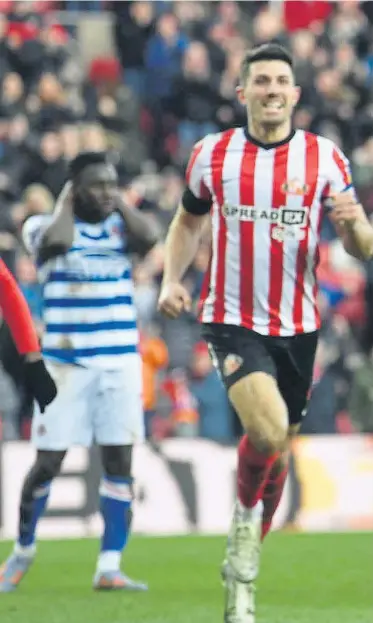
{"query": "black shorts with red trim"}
(237, 352)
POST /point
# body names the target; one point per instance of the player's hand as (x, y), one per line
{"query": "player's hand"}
(345, 210)
(65, 198)
(40, 383)
(174, 299)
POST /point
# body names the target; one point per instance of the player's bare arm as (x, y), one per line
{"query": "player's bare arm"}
(180, 249)
(144, 233)
(352, 226)
(58, 236)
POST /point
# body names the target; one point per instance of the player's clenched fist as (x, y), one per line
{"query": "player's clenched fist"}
(174, 299)
(345, 209)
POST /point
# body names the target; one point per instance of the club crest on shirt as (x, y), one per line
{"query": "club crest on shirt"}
(295, 187)
(115, 230)
(231, 364)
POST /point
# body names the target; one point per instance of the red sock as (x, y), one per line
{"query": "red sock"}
(253, 470)
(273, 492)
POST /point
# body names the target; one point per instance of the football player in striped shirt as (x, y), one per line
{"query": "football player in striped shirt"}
(91, 347)
(263, 188)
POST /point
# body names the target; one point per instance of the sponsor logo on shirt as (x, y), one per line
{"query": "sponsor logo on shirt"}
(290, 222)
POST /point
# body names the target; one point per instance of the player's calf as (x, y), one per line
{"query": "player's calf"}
(276, 481)
(35, 493)
(273, 490)
(116, 495)
(34, 498)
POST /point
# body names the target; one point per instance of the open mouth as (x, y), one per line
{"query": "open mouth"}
(273, 106)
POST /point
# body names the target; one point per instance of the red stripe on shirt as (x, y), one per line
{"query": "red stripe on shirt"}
(277, 246)
(247, 180)
(342, 166)
(217, 164)
(312, 168)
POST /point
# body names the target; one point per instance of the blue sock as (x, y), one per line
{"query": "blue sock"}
(115, 503)
(31, 513)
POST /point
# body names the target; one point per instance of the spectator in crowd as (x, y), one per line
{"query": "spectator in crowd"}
(155, 358)
(215, 413)
(195, 99)
(134, 25)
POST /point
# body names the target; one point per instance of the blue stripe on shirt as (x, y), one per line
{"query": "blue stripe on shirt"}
(90, 327)
(86, 302)
(107, 253)
(68, 354)
(63, 277)
(100, 236)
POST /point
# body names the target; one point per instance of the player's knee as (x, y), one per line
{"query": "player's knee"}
(45, 469)
(262, 411)
(270, 438)
(271, 433)
(49, 463)
(117, 460)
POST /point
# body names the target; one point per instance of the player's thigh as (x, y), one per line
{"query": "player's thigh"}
(249, 374)
(65, 421)
(119, 415)
(295, 373)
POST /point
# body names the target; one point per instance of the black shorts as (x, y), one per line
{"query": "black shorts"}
(237, 352)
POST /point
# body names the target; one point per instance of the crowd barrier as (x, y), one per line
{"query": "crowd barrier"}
(187, 486)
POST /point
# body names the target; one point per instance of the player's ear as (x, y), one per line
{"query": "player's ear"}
(297, 94)
(241, 95)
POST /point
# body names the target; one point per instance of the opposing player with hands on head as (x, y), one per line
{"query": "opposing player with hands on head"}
(83, 253)
(265, 189)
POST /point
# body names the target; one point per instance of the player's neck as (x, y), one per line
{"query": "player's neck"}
(87, 213)
(267, 135)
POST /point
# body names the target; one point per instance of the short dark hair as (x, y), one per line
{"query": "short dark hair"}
(85, 159)
(265, 52)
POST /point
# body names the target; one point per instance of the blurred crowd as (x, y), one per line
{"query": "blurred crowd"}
(171, 81)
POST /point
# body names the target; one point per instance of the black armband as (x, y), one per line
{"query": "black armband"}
(194, 205)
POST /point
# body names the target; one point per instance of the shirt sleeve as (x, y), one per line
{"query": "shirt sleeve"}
(32, 232)
(197, 197)
(339, 178)
(16, 313)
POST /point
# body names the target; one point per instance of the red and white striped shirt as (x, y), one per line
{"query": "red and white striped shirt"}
(266, 214)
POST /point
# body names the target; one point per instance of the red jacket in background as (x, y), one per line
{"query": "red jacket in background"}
(299, 15)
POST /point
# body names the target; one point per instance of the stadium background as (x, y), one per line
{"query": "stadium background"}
(146, 80)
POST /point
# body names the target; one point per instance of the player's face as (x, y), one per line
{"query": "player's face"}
(269, 93)
(98, 187)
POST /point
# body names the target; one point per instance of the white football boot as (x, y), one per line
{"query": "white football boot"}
(241, 566)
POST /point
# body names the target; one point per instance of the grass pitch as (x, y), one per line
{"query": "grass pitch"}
(304, 579)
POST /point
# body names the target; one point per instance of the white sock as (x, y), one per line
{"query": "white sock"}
(108, 561)
(28, 551)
